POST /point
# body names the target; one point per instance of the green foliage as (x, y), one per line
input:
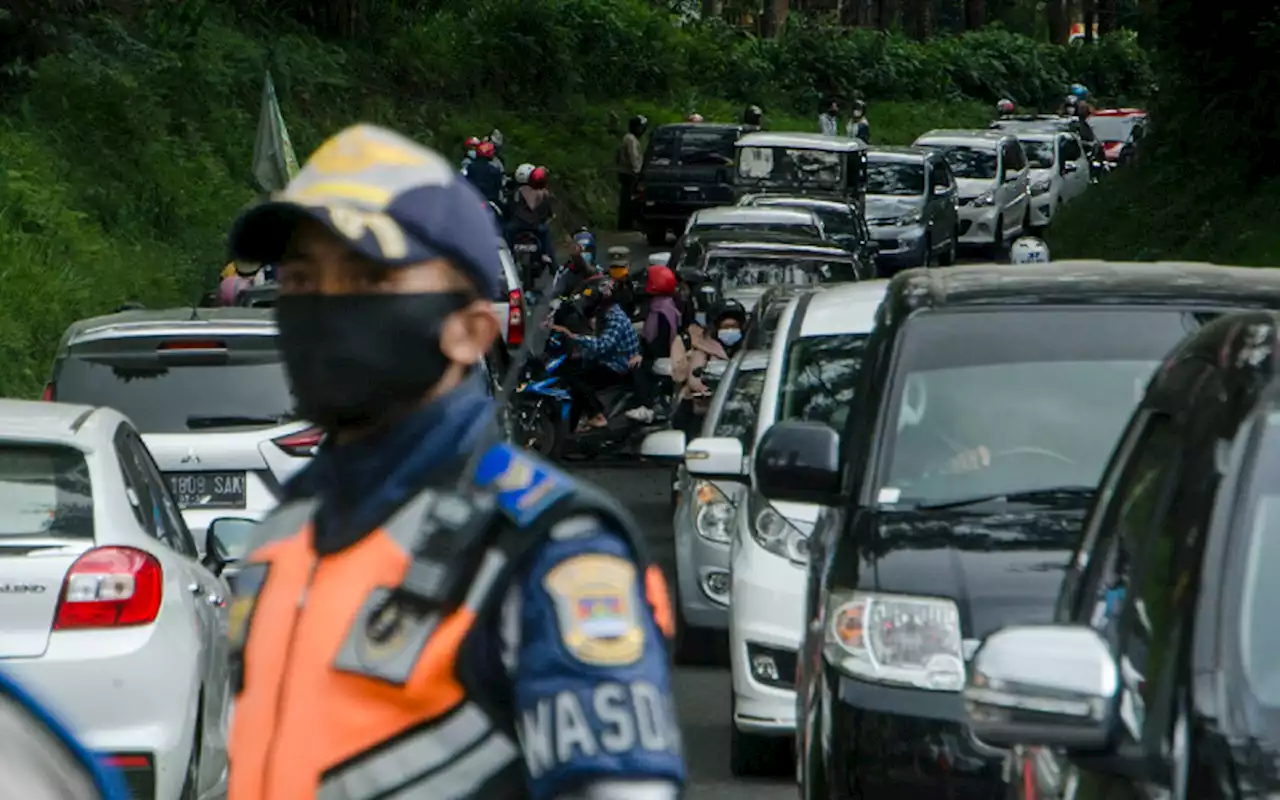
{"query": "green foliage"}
(128, 126)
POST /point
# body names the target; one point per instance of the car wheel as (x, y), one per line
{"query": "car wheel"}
(655, 235)
(949, 258)
(751, 755)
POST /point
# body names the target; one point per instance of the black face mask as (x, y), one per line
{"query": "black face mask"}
(353, 358)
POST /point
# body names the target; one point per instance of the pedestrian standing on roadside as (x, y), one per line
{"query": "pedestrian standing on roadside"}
(630, 161)
(858, 127)
(829, 119)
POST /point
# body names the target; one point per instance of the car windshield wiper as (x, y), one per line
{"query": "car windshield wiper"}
(196, 422)
(1054, 496)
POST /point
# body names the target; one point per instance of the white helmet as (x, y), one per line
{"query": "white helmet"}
(523, 172)
(1029, 250)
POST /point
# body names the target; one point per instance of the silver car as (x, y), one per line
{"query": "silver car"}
(111, 616)
(207, 389)
(704, 512)
(912, 208)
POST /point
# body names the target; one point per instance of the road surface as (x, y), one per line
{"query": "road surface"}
(702, 694)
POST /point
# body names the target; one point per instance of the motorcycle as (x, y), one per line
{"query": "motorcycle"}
(526, 248)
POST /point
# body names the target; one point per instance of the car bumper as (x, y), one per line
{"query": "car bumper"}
(765, 626)
(912, 742)
(977, 225)
(900, 248)
(122, 691)
(1042, 207)
(702, 571)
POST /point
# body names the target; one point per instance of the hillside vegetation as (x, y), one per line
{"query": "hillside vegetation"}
(126, 129)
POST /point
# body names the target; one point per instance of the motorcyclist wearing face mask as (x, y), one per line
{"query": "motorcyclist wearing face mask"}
(486, 174)
(604, 359)
(425, 587)
(624, 290)
(858, 127)
(719, 342)
(580, 267)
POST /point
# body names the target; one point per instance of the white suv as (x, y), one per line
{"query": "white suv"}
(993, 181)
(207, 389)
(812, 373)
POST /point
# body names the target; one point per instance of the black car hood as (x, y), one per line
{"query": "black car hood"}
(1001, 567)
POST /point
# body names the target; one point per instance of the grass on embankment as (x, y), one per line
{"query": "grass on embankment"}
(1150, 214)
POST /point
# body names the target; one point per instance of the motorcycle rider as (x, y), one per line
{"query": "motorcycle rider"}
(1005, 109)
(662, 325)
(485, 174)
(431, 611)
(498, 140)
(606, 358)
(624, 291)
(829, 118)
(469, 152)
(726, 330)
(630, 162)
(858, 126)
(1029, 250)
(580, 267)
(694, 117)
(532, 209)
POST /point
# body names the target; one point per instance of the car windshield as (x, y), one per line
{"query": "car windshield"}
(733, 272)
(806, 228)
(711, 146)
(1259, 637)
(819, 376)
(44, 491)
(785, 166)
(1039, 154)
(248, 387)
(737, 417)
(897, 178)
(1044, 393)
(971, 162)
(1112, 129)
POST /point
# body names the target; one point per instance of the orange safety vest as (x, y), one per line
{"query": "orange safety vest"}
(347, 693)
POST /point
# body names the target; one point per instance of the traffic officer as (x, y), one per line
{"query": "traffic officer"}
(431, 612)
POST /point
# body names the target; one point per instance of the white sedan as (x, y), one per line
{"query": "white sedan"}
(110, 616)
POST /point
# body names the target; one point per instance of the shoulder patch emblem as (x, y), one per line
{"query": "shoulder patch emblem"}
(525, 487)
(595, 598)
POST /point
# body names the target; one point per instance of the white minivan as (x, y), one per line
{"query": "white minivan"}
(1059, 171)
(993, 182)
(812, 372)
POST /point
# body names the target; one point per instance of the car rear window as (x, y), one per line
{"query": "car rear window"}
(735, 272)
(165, 388)
(712, 146)
(819, 376)
(44, 491)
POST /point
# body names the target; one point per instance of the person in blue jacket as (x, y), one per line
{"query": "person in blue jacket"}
(39, 757)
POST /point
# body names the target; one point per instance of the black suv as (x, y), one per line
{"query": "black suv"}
(1160, 678)
(688, 166)
(990, 401)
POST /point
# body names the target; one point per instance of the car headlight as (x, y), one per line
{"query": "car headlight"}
(908, 219)
(775, 533)
(712, 512)
(984, 199)
(895, 639)
(1041, 186)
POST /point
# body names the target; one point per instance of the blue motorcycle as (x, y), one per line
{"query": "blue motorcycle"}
(542, 404)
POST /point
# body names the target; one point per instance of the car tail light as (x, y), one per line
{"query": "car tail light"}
(515, 318)
(48, 393)
(109, 587)
(193, 344)
(126, 760)
(302, 444)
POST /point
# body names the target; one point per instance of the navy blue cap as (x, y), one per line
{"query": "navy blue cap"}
(388, 197)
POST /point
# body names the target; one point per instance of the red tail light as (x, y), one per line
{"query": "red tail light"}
(515, 318)
(126, 761)
(110, 587)
(302, 444)
(193, 344)
(48, 393)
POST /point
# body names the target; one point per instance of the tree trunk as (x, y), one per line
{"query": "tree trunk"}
(1107, 13)
(712, 9)
(1056, 15)
(775, 18)
(975, 14)
(1089, 14)
(921, 20)
(889, 15)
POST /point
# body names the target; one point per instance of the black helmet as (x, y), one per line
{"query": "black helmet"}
(595, 295)
(752, 115)
(638, 124)
(729, 309)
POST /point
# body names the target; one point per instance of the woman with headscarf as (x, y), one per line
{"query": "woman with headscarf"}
(658, 338)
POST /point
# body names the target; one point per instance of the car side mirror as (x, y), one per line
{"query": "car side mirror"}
(941, 191)
(799, 462)
(1043, 685)
(1011, 175)
(227, 541)
(1070, 167)
(716, 457)
(664, 446)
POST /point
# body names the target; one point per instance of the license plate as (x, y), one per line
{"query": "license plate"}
(526, 248)
(207, 489)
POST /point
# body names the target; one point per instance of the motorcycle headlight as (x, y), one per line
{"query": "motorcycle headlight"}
(1041, 186)
(895, 639)
(774, 533)
(984, 199)
(712, 512)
